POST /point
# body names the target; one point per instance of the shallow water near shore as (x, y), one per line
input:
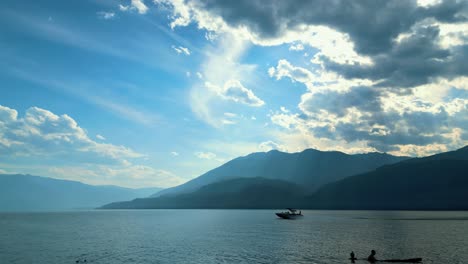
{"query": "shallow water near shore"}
(230, 236)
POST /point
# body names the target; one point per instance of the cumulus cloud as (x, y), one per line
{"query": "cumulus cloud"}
(373, 82)
(41, 132)
(285, 69)
(416, 60)
(372, 25)
(58, 140)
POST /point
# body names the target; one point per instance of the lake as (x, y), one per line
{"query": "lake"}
(230, 236)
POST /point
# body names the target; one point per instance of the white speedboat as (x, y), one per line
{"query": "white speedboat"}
(290, 214)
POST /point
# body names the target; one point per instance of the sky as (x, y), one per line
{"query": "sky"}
(152, 93)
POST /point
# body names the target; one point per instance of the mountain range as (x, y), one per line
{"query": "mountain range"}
(437, 182)
(310, 168)
(33, 193)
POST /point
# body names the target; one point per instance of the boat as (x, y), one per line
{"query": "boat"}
(412, 260)
(290, 214)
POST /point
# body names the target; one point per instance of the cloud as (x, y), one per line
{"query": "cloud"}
(181, 50)
(384, 73)
(363, 33)
(42, 137)
(235, 91)
(371, 25)
(124, 8)
(381, 121)
(415, 60)
(223, 77)
(133, 176)
(41, 132)
(105, 15)
(285, 69)
(270, 145)
(174, 153)
(137, 5)
(296, 47)
(205, 155)
(365, 99)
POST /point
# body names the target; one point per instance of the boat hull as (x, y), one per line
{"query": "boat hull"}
(288, 216)
(413, 260)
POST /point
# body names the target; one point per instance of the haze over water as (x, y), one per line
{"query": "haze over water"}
(230, 236)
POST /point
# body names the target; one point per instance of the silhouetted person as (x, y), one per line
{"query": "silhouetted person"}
(371, 257)
(353, 257)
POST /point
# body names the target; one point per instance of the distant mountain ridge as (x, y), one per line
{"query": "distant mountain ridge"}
(433, 184)
(245, 193)
(20, 192)
(310, 168)
(437, 182)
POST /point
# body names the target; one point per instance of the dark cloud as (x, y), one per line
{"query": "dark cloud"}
(383, 130)
(372, 24)
(414, 61)
(361, 97)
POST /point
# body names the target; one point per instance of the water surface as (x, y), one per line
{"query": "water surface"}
(230, 236)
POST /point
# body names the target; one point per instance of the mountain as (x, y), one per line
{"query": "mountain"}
(309, 168)
(431, 184)
(459, 154)
(246, 193)
(33, 193)
(437, 182)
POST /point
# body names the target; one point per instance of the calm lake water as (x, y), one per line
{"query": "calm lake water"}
(230, 236)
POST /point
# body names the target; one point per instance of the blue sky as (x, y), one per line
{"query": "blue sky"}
(153, 93)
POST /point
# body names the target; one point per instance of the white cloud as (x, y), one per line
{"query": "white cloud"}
(174, 153)
(270, 145)
(205, 155)
(137, 5)
(223, 77)
(181, 50)
(284, 110)
(333, 44)
(41, 132)
(100, 137)
(315, 81)
(105, 15)
(235, 91)
(140, 6)
(322, 123)
(285, 69)
(123, 8)
(47, 138)
(230, 114)
(426, 3)
(296, 47)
